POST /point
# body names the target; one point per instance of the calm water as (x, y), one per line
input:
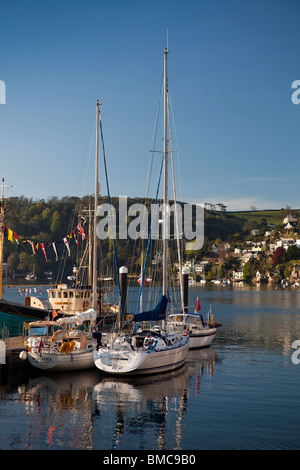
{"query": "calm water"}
(241, 393)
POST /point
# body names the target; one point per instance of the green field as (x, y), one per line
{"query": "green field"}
(272, 216)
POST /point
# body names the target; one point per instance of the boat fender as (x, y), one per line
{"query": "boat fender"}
(23, 355)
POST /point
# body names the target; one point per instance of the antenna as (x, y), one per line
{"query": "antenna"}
(167, 40)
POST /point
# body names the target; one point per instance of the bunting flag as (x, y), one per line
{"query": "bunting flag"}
(81, 231)
(55, 250)
(32, 246)
(17, 241)
(44, 251)
(76, 241)
(67, 245)
(8, 233)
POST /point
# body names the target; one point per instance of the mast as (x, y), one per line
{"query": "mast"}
(166, 198)
(94, 280)
(2, 215)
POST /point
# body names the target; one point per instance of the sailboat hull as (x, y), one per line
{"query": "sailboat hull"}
(202, 338)
(60, 362)
(126, 362)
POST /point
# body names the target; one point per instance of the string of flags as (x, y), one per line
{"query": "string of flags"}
(12, 236)
(28, 290)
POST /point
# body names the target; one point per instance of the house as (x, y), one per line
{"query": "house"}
(237, 275)
(269, 233)
(255, 232)
(201, 267)
(290, 222)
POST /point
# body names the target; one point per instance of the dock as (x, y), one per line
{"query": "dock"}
(10, 364)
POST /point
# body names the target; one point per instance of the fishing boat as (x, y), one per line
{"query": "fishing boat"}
(62, 345)
(151, 350)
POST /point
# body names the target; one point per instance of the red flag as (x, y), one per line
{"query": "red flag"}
(44, 251)
(198, 305)
(81, 231)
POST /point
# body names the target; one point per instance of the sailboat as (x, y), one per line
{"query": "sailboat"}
(72, 347)
(153, 350)
(201, 332)
(62, 345)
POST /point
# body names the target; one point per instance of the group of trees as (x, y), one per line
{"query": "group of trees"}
(50, 221)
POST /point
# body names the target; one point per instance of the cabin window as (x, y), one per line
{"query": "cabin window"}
(59, 295)
(71, 294)
(65, 294)
(53, 295)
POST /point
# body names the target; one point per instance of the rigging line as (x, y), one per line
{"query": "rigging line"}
(109, 200)
(177, 146)
(150, 161)
(176, 215)
(154, 134)
(149, 238)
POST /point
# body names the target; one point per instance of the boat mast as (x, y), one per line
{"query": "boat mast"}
(1, 239)
(166, 198)
(94, 280)
(2, 215)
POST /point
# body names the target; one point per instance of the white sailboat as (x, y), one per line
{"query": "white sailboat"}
(153, 350)
(57, 347)
(201, 332)
(72, 347)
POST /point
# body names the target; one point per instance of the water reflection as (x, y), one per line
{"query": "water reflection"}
(151, 409)
(87, 410)
(58, 410)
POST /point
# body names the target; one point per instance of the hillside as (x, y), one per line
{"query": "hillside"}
(39, 224)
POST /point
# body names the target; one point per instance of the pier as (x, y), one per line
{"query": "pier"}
(10, 364)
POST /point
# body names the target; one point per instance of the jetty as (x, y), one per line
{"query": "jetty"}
(10, 363)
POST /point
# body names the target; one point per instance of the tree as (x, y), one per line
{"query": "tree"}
(250, 225)
(293, 252)
(248, 271)
(278, 255)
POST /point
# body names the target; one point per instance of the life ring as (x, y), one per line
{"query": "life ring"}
(85, 303)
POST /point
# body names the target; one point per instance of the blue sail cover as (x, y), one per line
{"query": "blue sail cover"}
(158, 313)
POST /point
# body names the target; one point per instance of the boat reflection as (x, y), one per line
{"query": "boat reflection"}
(87, 410)
(61, 407)
(154, 405)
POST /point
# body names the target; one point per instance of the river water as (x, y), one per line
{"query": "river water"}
(242, 393)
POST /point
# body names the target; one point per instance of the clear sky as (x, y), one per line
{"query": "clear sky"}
(231, 65)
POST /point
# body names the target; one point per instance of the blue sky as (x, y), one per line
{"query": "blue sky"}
(231, 66)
